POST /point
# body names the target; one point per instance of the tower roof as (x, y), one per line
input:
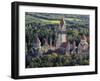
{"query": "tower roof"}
(62, 22)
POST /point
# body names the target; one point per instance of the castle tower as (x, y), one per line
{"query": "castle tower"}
(61, 35)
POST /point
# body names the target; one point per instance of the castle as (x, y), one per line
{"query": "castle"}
(61, 34)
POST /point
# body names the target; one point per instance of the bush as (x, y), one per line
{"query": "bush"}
(54, 59)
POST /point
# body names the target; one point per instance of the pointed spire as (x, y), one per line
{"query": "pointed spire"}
(62, 24)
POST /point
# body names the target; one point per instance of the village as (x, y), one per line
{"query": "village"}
(62, 42)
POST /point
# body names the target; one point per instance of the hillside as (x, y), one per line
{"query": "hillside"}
(48, 18)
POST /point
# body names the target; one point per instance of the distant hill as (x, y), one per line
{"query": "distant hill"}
(50, 18)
